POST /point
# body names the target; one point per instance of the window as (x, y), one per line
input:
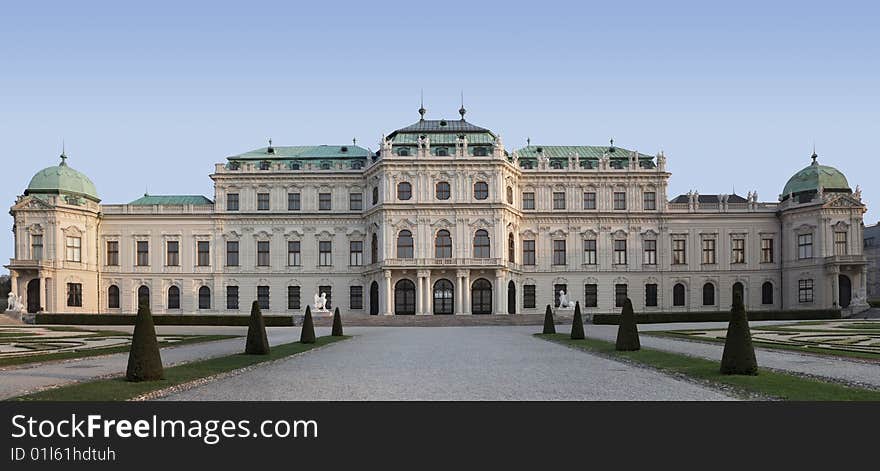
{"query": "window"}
(263, 297)
(404, 191)
(619, 200)
(325, 253)
(112, 252)
(559, 252)
(481, 190)
(442, 152)
(443, 296)
(203, 249)
(173, 297)
(355, 201)
(403, 152)
(481, 152)
(74, 249)
(528, 252)
(556, 289)
(324, 202)
(528, 200)
(404, 297)
(481, 244)
(232, 298)
(375, 195)
(113, 297)
(172, 253)
(840, 243)
(619, 295)
(232, 201)
(511, 248)
(620, 252)
(678, 295)
(650, 201)
(650, 247)
(262, 253)
(738, 251)
(143, 253)
(558, 200)
(356, 297)
(529, 296)
(374, 249)
(442, 191)
(405, 244)
(294, 201)
(651, 295)
(443, 244)
(328, 291)
(805, 246)
(262, 201)
(325, 165)
(767, 293)
(590, 252)
(590, 200)
(264, 165)
(293, 297)
(37, 248)
(805, 291)
(766, 250)
(708, 294)
(679, 252)
(709, 251)
(509, 195)
(591, 295)
(293, 253)
(356, 253)
(204, 297)
(231, 253)
(74, 294)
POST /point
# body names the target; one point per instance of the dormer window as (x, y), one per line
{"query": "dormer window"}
(527, 164)
(556, 164)
(264, 165)
(442, 152)
(234, 166)
(325, 165)
(294, 165)
(480, 151)
(357, 165)
(403, 152)
(343, 149)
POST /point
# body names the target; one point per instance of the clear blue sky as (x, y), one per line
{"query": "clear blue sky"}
(152, 94)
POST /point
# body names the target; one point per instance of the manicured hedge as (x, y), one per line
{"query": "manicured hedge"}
(719, 316)
(158, 319)
(874, 302)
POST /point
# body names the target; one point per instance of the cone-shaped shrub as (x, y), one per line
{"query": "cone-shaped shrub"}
(144, 361)
(257, 342)
(739, 354)
(627, 330)
(337, 324)
(308, 328)
(577, 324)
(549, 326)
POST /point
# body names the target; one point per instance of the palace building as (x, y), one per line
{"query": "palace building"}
(442, 219)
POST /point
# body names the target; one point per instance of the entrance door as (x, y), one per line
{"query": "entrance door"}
(845, 287)
(511, 298)
(33, 295)
(444, 294)
(374, 299)
(481, 297)
(404, 298)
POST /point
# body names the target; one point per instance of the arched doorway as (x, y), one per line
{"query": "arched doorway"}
(144, 295)
(511, 297)
(444, 294)
(374, 299)
(481, 297)
(33, 295)
(405, 298)
(678, 295)
(845, 288)
(739, 290)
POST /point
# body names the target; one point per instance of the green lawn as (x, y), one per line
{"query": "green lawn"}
(117, 389)
(767, 383)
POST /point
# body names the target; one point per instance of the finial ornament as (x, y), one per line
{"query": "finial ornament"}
(528, 141)
(63, 154)
(814, 156)
(422, 109)
(461, 110)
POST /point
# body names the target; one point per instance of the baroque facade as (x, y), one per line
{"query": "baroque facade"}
(872, 253)
(442, 219)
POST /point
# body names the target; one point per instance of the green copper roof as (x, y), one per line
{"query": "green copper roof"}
(485, 138)
(149, 200)
(816, 176)
(61, 179)
(584, 152)
(304, 152)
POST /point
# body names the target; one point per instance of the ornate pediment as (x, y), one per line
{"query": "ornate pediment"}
(30, 202)
(843, 201)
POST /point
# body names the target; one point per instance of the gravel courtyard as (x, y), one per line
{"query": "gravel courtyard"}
(448, 363)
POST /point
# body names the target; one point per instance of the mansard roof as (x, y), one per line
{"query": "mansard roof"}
(584, 152)
(304, 152)
(442, 126)
(733, 198)
(149, 200)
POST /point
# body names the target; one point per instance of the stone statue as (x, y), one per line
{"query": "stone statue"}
(321, 302)
(858, 193)
(13, 304)
(564, 302)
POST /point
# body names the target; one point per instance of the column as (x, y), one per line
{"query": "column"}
(428, 305)
(500, 293)
(458, 294)
(835, 288)
(420, 294)
(43, 293)
(387, 311)
(466, 294)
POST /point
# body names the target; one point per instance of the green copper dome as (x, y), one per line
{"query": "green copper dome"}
(814, 177)
(61, 179)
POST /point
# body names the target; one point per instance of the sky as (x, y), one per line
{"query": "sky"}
(147, 96)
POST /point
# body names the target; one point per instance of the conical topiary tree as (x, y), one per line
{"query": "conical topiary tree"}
(337, 324)
(627, 330)
(144, 360)
(257, 342)
(549, 325)
(577, 324)
(308, 328)
(739, 354)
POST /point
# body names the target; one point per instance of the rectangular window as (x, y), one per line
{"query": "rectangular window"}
(172, 253)
(528, 252)
(262, 201)
(650, 201)
(619, 201)
(651, 295)
(328, 291)
(324, 202)
(325, 253)
(528, 200)
(619, 295)
(559, 252)
(37, 248)
(590, 257)
(650, 247)
(74, 249)
(293, 201)
(738, 251)
(840, 243)
(262, 253)
(805, 291)
(293, 253)
(556, 290)
(766, 250)
(805, 246)
(74, 294)
(528, 296)
(591, 295)
(113, 253)
(356, 297)
(620, 252)
(293, 297)
(590, 200)
(232, 201)
(143, 253)
(231, 253)
(356, 253)
(355, 201)
(232, 298)
(263, 297)
(709, 251)
(204, 252)
(558, 200)
(679, 252)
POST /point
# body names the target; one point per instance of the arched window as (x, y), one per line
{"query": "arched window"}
(767, 293)
(442, 152)
(204, 297)
(174, 297)
(442, 191)
(509, 195)
(481, 297)
(113, 297)
(511, 248)
(404, 191)
(405, 244)
(708, 294)
(403, 152)
(144, 295)
(443, 297)
(481, 152)
(678, 295)
(481, 244)
(481, 190)
(443, 244)
(404, 297)
(738, 290)
(375, 195)
(556, 165)
(374, 299)
(374, 249)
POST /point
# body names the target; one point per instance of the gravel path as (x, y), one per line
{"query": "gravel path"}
(448, 363)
